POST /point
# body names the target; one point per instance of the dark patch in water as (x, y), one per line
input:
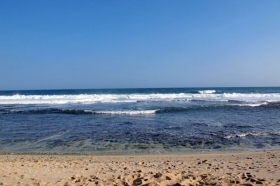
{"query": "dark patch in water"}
(126, 123)
(271, 105)
(200, 124)
(235, 101)
(238, 126)
(173, 128)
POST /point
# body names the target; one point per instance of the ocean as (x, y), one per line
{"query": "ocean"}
(140, 121)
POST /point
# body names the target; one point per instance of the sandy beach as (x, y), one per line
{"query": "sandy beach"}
(246, 168)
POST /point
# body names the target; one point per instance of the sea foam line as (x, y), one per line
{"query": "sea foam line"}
(127, 112)
(255, 134)
(207, 91)
(130, 98)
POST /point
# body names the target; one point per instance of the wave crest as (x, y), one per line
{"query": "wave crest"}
(205, 95)
(207, 91)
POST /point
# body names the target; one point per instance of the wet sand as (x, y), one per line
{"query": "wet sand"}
(249, 168)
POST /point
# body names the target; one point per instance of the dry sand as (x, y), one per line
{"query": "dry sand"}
(250, 168)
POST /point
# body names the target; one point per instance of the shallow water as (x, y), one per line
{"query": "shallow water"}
(128, 121)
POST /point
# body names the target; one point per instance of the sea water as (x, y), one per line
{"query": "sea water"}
(135, 121)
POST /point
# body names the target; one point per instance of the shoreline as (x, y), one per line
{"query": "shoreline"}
(225, 168)
(149, 152)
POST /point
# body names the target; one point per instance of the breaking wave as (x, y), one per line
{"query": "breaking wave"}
(39, 110)
(129, 112)
(251, 134)
(74, 111)
(204, 95)
(207, 91)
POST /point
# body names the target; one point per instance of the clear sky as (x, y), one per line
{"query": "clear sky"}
(132, 44)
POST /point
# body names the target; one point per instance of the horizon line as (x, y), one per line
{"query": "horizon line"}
(144, 88)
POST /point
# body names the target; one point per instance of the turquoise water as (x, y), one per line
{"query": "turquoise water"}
(128, 121)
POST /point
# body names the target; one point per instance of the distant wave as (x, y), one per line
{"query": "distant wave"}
(178, 109)
(194, 108)
(271, 105)
(109, 112)
(137, 112)
(204, 95)
(74, 111)
(207, 91)
(252, 104)
(211, 107)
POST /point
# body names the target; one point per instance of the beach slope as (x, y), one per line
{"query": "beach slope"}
(249, 168)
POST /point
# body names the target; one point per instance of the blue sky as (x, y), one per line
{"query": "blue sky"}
(132, 44)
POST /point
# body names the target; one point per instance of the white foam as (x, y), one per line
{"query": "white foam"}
(243, 135)
(207, 91)
(127, 112)
(114, 98)
(252, 104)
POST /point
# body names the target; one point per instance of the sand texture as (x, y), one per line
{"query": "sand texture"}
(251, 168)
